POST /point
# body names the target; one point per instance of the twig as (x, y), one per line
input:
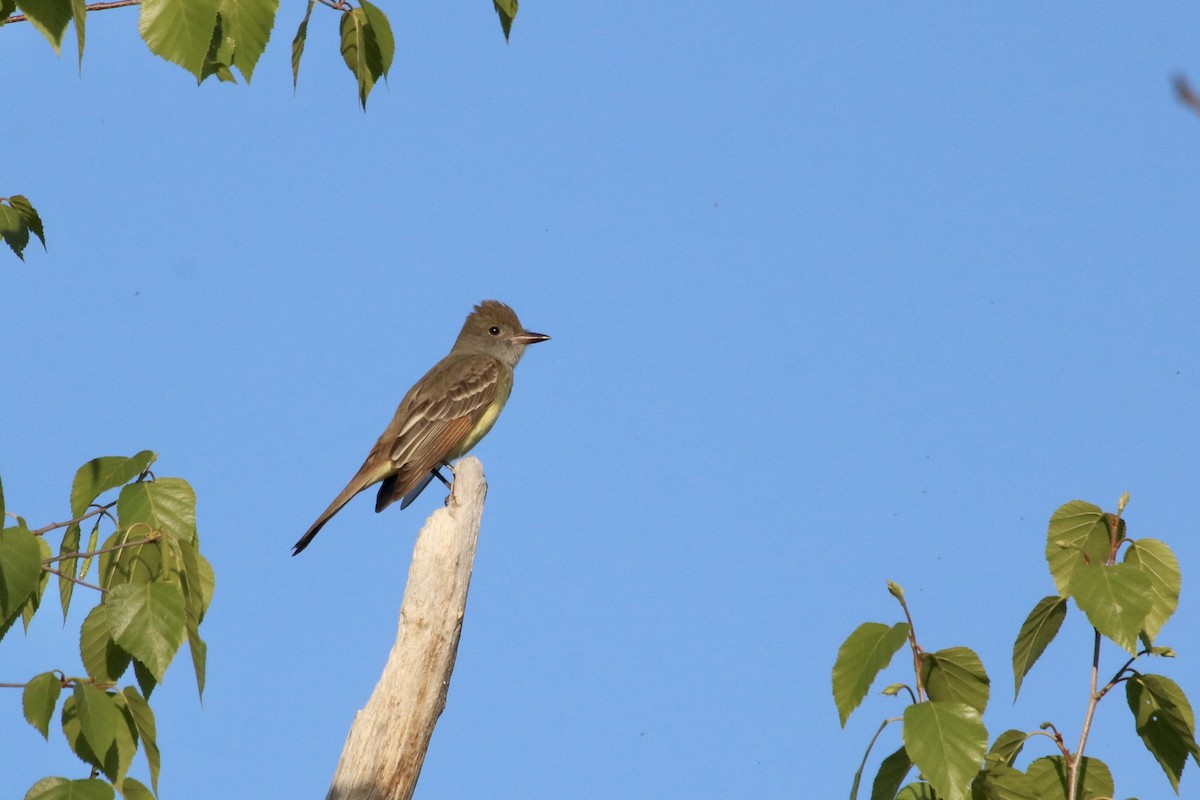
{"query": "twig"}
(92, 7)
(64, 576)
(92, 513)
(147, 540)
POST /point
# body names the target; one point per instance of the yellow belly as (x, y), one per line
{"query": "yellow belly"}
(485, 422)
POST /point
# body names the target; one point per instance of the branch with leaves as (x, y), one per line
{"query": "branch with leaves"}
(154, 588)
(943, 734)
(211, 38)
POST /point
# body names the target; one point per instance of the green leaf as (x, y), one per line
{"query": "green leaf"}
(1038, 630)
(916, 791)
(39, 700)
(360, 50)
(35, 600)
(29, 215)
(148, 621)
(63, 789)
(79, 15)
(145, 680)
(219, 59)
(246, 26)
(298, 44)
(199, 581)
(1163, 718)
(382, 29)
(956, 675)
(132, 789)
(7, 9)
(859, 661)
(1049, 776)
(1078, 533)
(199, 651)
(1116, 600)
(179, 30)
(69, 567)
(507, 9)
(1007, 746)
(50, 17)
(1002, 782)
(1, 505)
(13, 230)
(99, 723)
(101, 474)
(143, 718)
(947, 742)
(166, 504)
(20, 570)
(104, 660)
(890, 776)
(1158, 563)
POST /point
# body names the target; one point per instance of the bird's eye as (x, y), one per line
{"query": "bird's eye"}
(494, 331)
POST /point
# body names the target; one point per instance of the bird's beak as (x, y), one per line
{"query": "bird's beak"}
(526, 337)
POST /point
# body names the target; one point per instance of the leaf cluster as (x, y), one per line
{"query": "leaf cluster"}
(154, 589)
(18, 219)
(1126, 588)
(214, 37)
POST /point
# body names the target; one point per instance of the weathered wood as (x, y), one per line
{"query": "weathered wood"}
(384, 752)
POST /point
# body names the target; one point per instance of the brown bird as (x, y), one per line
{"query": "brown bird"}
(444, 415)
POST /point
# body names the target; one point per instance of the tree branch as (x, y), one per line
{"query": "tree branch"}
(92, 7)
(386, 747)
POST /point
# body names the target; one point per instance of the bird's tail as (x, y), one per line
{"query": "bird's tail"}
(355, 486)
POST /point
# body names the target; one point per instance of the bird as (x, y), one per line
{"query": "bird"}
(443, 415)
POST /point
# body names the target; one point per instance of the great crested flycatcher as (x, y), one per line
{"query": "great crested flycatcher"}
(444, 415)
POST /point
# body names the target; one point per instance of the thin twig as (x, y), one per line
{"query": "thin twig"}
(77, 520)
(92, 7)
(1093, 701)
(64, 576)
(147, 540)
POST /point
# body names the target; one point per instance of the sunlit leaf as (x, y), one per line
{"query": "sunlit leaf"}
(1049, 776)
(179, 30)
(507, 10)
(14, 230)
(1163, 718)
(101, 474)
(1002, 782)
(20, 570)
(1078, 534)
(360, 50)
(1159, 564)
(860, 659)
(39, 699)
(1038, 630)
(104, 660)
(29, 215)
(148, 621)
(50, 17)
(956, 675)
(947, 742)
(55, 788)
(383, 34)
(1116, 600)
(298, 44)
(143, 718)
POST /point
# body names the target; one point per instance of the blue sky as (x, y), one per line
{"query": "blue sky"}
(837, 295)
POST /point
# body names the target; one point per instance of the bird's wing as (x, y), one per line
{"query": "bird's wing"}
(434, 425)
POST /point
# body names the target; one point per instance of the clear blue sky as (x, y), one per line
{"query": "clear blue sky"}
(839, 293)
